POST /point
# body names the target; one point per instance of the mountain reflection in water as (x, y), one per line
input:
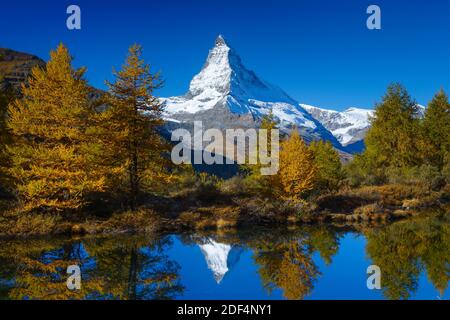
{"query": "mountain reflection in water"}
(310, 262)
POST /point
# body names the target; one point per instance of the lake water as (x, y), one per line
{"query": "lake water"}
(313, 262)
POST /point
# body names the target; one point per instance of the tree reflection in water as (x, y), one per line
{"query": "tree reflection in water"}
(406, 248)
(111, 268)
(133, 267)
(287, 263)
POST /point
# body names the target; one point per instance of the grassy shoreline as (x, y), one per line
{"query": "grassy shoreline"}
(367, 205)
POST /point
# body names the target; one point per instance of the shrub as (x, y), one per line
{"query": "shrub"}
(329, 168)
(361, 171)
(206, 187)
(369, 209)
(142, 220)
(33, 224)
(426, 175)
(234, 186)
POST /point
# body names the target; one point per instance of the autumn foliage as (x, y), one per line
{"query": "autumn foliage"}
(51, 151)
(297, 172)
(68, 148)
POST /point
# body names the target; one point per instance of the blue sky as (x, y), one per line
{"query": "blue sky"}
(320, 52)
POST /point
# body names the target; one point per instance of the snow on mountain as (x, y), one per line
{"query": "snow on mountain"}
(421, 110)
(348, 126)
(225, 94)
(219, 257)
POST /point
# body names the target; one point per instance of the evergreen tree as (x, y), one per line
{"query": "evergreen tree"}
(51, 151)
(297, 169)
(329, 168)
(436, 125)
(133, 147)
(262, 184)
(393, 137)
(268, 123)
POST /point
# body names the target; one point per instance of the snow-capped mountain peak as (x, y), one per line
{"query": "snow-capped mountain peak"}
(225, 94)
(220, 41)
(220, 257)
(214, 78)
(224, 78)
(216, 255)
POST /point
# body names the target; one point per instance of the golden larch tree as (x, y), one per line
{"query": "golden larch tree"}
(50, 153)
(297, 170)
(133, 146)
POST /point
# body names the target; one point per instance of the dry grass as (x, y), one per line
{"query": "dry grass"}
(212, 217)
(28, 224)
(369, 209)
(391, 195)
(225, 224)
(142, 221)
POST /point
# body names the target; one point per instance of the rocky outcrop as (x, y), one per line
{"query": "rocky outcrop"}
(15, 67)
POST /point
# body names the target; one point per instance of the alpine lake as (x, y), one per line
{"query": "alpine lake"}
(306, 262)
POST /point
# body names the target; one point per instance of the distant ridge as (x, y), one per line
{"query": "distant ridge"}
(15, 67)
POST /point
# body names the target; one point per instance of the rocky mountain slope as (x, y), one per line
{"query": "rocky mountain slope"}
(15, 67)
(348, 126)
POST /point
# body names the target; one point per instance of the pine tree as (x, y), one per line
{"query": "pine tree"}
(262, 184)
(51, 151)
(297, 169)
(268, 123)
(329, 168)
(133, 146)
(436, 125)
(393, 137)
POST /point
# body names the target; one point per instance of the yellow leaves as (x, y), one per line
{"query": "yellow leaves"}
(297, 170)
(288, 266)
(128, 129)
(297, 174)
(52, 157)
(63, 151)
(47, 281)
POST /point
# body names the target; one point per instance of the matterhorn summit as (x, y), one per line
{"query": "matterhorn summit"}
(220, 257)
(225, 94)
